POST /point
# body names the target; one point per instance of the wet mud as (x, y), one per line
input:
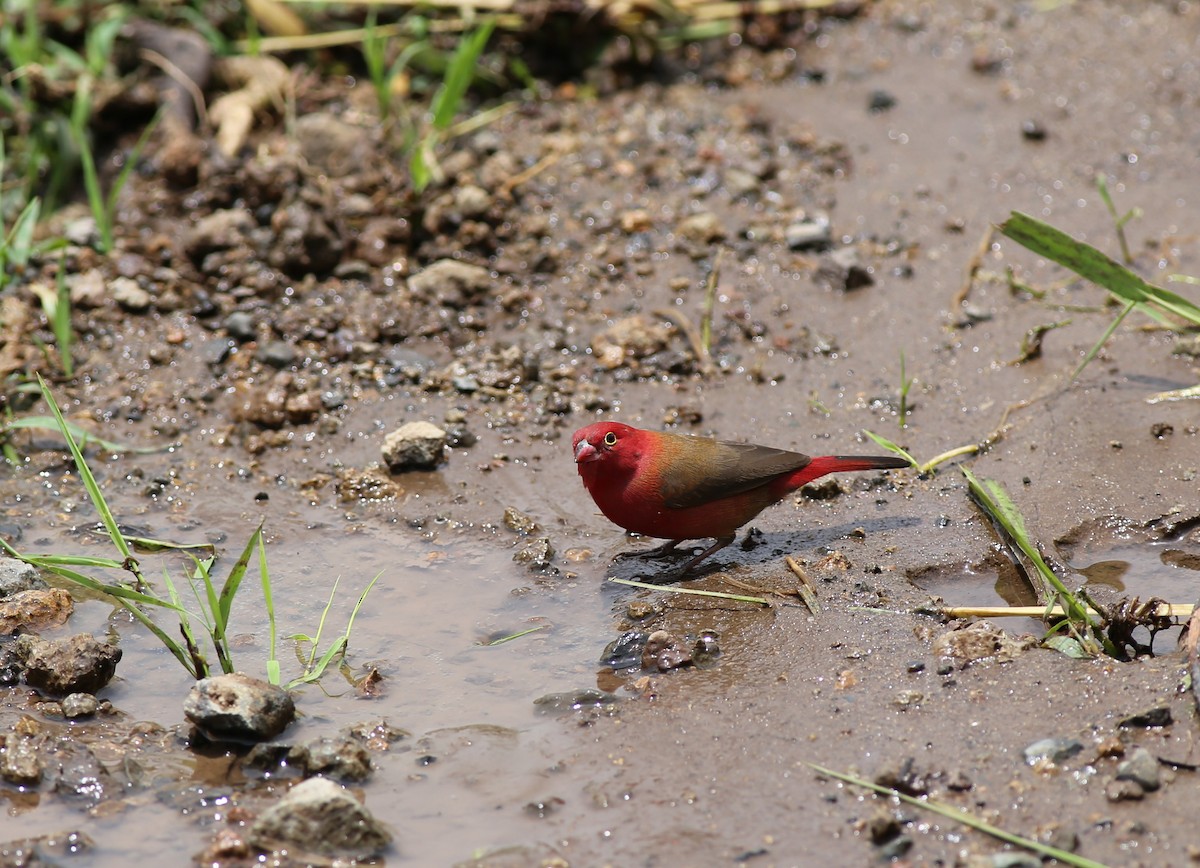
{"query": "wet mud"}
(850, 183)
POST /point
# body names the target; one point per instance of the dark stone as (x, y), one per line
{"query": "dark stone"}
(319, 816)
(79, 664)
(238, 708)
(1158, 716)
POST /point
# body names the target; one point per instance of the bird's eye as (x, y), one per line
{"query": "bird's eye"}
(610, 439)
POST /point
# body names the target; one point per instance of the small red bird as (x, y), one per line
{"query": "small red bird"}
(677, 487)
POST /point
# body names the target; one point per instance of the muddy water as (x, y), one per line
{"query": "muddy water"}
(707, 766)
(477, 741)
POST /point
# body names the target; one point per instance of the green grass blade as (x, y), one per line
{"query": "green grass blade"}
(519, 634)
(79, 561)
(1112, 327)
(459, 74)
(314, 641)
(960, 816)
(110, 204)
(362, 598)
(273, 670)
(19, 244)
(892, 447)
(992, 497)
(314, 672)
(148, 545)
(91, 178)
(199, 666)
(223, 606)
(210, 611)
(1089, 263)
(89, 481)
(61, 323)
(81, 435)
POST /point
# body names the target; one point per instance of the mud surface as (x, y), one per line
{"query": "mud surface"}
(279, 341)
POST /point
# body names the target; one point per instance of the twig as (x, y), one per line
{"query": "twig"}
(682, 323)
(805, 589)
(696, 591)
(536, 169)
(973, 266)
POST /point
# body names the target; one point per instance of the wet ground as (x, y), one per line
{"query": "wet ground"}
(910, 129)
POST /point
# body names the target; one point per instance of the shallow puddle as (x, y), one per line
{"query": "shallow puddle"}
(478, 748)
(1110, 557)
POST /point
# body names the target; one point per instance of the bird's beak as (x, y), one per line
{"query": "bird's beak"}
(585, 452)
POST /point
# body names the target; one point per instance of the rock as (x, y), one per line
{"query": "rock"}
(17, 576)
(1142, 768)
(843, 270)
(450, 282)
(241, 326)
(35, 610)
(318, 816)
(82, 232)
(414, 446)
(902, 775)
(11, 666)
(277, 354)
(77, 705)
(304, 242)
(472, 201)
(702, 228)
(333, 146)
(537, 554)
(1157, 716)
(1055, 750)
(58, 848)
(76, 772)
(220, 230)
(625, 651)
(629, 339)
(739, 183)
(519, 522)
(665, 652)
(880, 101)
(370, 483)
(1123, 791)
(20, 761)
(343, 759)
(980, 641)
(87, 288)
(129, 296)
(809, 233)
(264, 404)
(79, 664)
(236, 707)
(227, 847)
(575, 700)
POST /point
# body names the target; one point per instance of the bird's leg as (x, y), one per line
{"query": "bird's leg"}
(712, 549)
(663, 551)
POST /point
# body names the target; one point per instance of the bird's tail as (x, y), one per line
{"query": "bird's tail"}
(825, 464)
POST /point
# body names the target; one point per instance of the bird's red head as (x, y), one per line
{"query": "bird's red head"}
(601, 441)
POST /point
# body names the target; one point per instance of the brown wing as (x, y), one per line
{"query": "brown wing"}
(706, 470)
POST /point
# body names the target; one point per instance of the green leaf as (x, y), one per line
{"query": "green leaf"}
(892, 447)
(1089, 263)
(1067, 645)
(960, 816)
(89, 481)
(229, 590)
(459, 75)
(81, 435)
